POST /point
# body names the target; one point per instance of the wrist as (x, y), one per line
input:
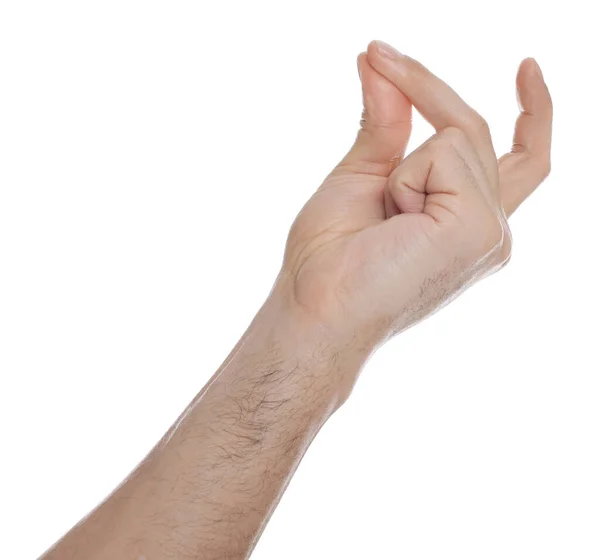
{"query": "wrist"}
(286, 346)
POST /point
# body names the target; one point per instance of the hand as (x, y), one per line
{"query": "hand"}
(387, 240)
(382, 243)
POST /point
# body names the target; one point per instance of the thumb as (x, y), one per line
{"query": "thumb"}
(384, 128)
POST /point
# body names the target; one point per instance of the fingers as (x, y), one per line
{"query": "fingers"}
(385, 125)
(430, 178)
(528, 163)
(434, 99)
(438, 191)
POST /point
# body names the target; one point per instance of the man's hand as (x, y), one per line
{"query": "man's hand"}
(385, 241)
(381, 244)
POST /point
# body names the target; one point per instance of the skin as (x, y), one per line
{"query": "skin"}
(385, 241)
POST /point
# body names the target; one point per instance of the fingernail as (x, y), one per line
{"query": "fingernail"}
(538, 70)
(387, 50)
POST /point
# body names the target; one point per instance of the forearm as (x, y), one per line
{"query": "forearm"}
(208, 488)
(383, 243)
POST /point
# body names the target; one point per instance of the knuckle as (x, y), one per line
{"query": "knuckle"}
(452, 138)
(506, 248)
(505, 261)
(478, 125)
(452, 133)
(545, 167)
(538, 166)
(492, 236)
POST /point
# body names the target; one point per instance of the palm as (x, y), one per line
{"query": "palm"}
(340, 245)
(339, 239)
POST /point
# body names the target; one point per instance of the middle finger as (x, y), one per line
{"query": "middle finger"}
(439, 104)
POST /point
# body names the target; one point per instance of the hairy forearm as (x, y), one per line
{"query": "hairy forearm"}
(383, 243)
(210, 485)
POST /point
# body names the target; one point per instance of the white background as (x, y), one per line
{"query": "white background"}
(152, 158)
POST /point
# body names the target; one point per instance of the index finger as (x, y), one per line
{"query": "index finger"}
(434, 99)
